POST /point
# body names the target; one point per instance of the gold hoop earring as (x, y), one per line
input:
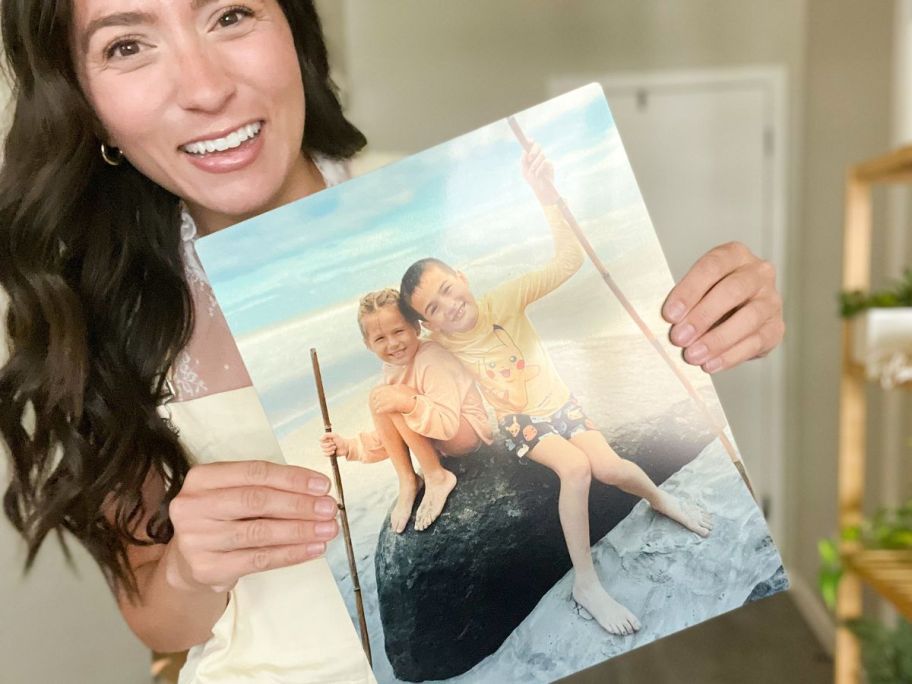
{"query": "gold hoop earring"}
(112, 155)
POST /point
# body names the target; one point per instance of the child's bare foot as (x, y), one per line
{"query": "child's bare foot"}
(436, 491)
(610, 614)
(402, 511)
(690, 516)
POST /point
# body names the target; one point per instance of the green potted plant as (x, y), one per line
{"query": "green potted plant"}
(882, 330)
(886, 652)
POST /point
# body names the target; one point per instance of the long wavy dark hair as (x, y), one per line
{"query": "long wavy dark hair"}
(99, 303)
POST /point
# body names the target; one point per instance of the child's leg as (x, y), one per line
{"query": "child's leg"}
(438, 481)
(611, 469)
(398, 453)
(572, 467)
(465, 441)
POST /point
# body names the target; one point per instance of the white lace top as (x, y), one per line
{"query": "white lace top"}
(285, 626)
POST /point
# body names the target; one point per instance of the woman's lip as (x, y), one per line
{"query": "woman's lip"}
(229, 160)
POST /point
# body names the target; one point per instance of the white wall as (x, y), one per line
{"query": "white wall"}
(61, 626)
(421, 71)
(847, 120)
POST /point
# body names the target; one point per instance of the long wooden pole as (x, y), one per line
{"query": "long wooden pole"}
(346, 530)
(641, 324)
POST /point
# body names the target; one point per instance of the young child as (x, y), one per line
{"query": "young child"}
(427, 404)
(538, 416)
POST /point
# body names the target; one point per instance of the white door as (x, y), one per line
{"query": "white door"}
(703, 149)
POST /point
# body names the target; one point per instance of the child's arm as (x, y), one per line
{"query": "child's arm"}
(366, 447)
(437, 406)
(568, 254)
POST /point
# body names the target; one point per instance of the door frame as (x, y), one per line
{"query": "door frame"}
(772, 80)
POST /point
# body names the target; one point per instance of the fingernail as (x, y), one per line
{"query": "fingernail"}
(316, 549)
(713, 365)
(698, 353)
(318, 485)
(683, 335)
(326, 507)
(325, 529)
(675, 311)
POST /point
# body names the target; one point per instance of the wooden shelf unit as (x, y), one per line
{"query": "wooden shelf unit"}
(888, 572)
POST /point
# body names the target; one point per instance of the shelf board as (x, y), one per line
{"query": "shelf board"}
(896, 166)
(889, 572)
(857, 371)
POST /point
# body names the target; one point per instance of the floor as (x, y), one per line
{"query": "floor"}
(766, 641)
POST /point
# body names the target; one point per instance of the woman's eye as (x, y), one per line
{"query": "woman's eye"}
(233, 16)
(122, 49)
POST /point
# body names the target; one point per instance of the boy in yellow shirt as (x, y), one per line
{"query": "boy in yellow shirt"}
(538, 416)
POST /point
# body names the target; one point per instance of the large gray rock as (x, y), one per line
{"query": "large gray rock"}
(450, 596)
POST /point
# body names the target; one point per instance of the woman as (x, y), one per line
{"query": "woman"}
(138, 125)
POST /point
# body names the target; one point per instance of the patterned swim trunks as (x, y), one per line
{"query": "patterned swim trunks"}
(522, 432)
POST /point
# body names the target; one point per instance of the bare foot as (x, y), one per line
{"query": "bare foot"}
(434, 499)
(402, 511)
(690, 516)
(610, 614)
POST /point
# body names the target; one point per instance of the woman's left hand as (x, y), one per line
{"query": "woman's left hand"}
(726, 310)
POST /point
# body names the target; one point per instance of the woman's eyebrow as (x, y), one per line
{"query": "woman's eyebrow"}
(132, 18)
(117, 19)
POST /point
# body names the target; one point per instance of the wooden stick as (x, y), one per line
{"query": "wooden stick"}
(628, 307)
(346, 530)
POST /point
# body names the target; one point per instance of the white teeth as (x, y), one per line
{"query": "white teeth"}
(229, 142)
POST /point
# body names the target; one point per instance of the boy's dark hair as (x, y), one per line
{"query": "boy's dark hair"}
(410, 282)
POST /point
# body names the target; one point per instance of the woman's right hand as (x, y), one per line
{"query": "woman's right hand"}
(236, 518)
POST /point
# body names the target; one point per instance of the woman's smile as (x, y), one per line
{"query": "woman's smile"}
(227, 152)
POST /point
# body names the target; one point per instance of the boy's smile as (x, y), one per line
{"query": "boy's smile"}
(444, 301)
(392, 338)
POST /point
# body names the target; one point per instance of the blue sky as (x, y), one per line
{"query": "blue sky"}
(329, 248)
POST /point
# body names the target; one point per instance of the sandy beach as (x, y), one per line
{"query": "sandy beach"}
(671, 578)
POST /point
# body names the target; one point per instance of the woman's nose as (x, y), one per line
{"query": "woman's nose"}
(205, 84)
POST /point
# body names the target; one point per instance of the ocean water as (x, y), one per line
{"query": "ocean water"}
(583, 308)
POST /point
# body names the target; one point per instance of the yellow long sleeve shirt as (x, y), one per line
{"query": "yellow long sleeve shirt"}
(503, 351)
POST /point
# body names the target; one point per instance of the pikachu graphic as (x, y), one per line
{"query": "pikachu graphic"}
(503, 373)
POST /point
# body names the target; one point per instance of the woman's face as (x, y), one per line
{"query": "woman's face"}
(204, 97)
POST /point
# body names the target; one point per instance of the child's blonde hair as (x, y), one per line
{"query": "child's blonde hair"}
(372, 302)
